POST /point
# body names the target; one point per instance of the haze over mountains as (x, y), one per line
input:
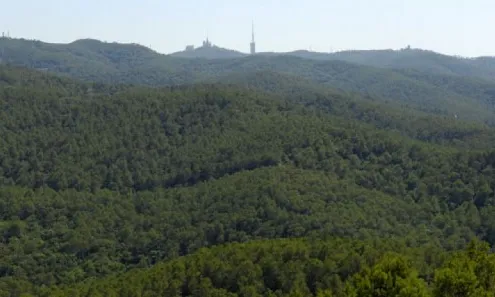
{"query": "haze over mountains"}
(125, 172)
(417, 59)
(409, 58)
(434, 83)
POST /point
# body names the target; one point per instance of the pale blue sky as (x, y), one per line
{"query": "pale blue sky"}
(463, 27)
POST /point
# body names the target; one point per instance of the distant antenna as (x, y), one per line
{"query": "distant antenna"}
(252, 45)
(252, 31)
(207, 43)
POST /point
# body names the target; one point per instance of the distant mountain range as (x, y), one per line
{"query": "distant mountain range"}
(418, 79)
(37, 52)
(418, 59)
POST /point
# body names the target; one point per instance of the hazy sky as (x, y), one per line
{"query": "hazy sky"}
(463, 27)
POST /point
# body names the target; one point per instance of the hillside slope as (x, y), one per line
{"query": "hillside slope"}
(367, 109)
(99, 179)
(104, 233)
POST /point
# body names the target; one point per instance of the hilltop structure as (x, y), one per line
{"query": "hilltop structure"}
(6, 34)
(207, 43)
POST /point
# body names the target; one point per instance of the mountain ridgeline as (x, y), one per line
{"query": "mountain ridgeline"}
(124, 172)
(92, 60)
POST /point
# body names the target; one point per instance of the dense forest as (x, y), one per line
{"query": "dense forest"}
(262, 183)
(300, 268)
(308, 268)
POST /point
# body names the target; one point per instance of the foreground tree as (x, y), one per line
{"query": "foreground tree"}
(468, 273)
(393, 276)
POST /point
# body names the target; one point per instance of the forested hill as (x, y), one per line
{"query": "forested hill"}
(86, 59)
(91, 60)
(100, 179)
(392, 116)
(348, 106)
(39, 53)
(415, 59)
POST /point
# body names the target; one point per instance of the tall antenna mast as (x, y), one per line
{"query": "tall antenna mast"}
(252, 45)
(252, 31)
(207, 43)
